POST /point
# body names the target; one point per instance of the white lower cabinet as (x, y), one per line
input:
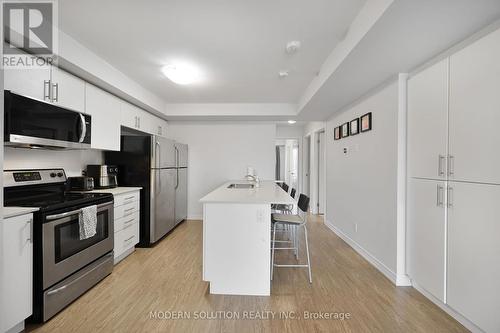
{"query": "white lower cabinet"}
(426, 230)
(126, 223)
(474, 253)
(17, 269)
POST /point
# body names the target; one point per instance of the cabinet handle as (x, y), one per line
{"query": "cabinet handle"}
(127, 223)
(30, 225)
(441, 160)
(129, 239)
(56, 95)
(46, 90)
(439, 196)
(451, 167)
(138, 122)
(450, 197)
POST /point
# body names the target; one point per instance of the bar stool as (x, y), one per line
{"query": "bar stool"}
(286, 209)
(296, 221)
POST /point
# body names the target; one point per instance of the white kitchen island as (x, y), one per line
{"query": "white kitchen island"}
(237, 237)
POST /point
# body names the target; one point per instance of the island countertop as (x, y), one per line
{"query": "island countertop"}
(268, 192)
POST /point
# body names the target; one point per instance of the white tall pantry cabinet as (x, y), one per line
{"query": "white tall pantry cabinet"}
(454, 181)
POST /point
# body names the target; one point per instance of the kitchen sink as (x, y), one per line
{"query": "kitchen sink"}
(248, 186)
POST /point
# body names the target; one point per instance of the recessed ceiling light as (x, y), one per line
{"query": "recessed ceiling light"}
(292, 46)
(182, 73)
(292, 121)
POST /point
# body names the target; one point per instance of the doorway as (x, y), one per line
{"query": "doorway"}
(287, 162)
(321, 172)
(307, 166)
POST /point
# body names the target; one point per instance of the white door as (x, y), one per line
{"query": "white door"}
(428, 122)
(307, 166)
(17, 289)
(474, 253)
(105, 111)
(67, 90)
(475, 111)
(321, 173)
(426, 235)
(33, 83)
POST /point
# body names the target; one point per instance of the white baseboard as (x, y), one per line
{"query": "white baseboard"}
(457, 316)
(195, 217)
(364, 253)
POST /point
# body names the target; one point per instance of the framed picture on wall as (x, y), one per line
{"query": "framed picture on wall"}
(336, 133)
(354, 127)
(345, 130)
(366, 122)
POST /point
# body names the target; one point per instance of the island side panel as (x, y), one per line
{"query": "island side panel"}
(236, 248)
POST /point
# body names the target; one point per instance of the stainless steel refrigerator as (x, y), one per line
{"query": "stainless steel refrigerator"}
(159, 166)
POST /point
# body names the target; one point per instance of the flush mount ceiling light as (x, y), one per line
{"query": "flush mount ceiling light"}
(182, 73)
(292, 121)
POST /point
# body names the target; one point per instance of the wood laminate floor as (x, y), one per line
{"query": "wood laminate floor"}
(167, 279)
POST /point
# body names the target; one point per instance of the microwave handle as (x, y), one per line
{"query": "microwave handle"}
(83, 128)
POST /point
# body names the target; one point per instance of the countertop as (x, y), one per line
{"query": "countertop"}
(267, 193)
(115, 191)
(16, 211)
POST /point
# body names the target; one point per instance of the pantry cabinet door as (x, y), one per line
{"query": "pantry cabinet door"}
(105, 111)
(474, 253)
(426, 235)
(475, 111)
(428, 122)
(67, 90)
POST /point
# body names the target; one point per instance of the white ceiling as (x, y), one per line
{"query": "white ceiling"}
(408, 34)
(238, 44)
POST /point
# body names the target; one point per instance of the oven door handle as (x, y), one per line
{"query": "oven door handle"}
(73, 212)
(60, 216)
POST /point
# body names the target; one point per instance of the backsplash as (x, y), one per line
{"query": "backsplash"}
(73, 161)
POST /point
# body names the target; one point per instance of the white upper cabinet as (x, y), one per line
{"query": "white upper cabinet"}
(105, 111)
(128, 115)
(475, 111)
(138, 119)
(67, 90)
(474, 252)
(33, 83)
(428, 122)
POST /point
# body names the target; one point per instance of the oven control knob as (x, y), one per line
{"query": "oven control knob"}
(52, 174)
(59, 174)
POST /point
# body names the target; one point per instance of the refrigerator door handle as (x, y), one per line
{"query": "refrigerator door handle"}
(176, 179)
(158, 154)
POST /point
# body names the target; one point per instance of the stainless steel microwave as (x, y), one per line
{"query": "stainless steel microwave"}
(32, 123)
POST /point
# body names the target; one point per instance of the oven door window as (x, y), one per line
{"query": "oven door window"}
(67, 236)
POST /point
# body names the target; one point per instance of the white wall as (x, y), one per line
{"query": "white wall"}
(219, 152)
(362, 185)
(73, 161)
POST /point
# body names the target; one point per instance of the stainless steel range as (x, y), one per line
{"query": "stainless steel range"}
(65, 266)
